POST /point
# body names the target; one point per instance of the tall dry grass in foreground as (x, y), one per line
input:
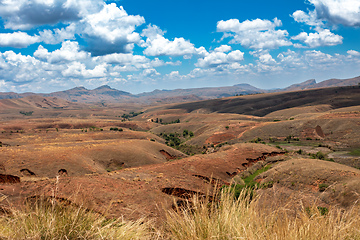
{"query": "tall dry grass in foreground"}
(242, 219)
(46, 219)
(225, 218)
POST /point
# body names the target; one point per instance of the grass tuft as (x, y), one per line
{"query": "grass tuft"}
(243, 219)
(48, 219)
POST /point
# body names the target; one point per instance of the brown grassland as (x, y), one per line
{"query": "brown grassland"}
(264, 166)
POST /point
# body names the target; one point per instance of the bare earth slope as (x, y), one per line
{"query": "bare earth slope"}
(263, 104)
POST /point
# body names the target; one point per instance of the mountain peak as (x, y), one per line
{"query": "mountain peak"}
(78, 88)
(107, 87)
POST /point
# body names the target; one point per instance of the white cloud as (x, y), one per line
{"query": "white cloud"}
(111, 30)
(157, 45)
(69, 51)
(316, 58)
(255, 34)
(56, 36)
(161, 46)
(309, 19)
(25, 14)
(125, 59)
(78, 69)
(353, 53)
(223, 48)
(290, 59)
(17, 39)
(152, 32)
(345, 12)
(151, 72)
(267, 59)
(217, 58)
(319, 39)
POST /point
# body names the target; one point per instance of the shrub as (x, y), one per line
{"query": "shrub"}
(319, 155)
(323, 187)
(27, 113)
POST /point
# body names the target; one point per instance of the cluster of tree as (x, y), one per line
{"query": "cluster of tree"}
(187, 133)
(26, 113)
(172, 139)
(116, 129)
(157, 120)
(131, 114)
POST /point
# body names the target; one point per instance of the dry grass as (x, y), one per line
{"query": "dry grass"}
(239, 219)
(224, 218)
(46, 219)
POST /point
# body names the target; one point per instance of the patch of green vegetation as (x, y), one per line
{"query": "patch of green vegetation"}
(299, 151)
(172, 122)
(323, 210)
(172, 139)
(355, 152)
(190, 149)
(250, 185)
(312, 211)
(27, 113)
(131, 115)
(277, 120)
(187, 133)
(318, 155)
(323, 187)
(272, 140)
(116, 129)
(321, 156)
(221, 144)
(256, 140)
(250, 179)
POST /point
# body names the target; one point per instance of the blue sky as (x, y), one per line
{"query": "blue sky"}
(142, 45)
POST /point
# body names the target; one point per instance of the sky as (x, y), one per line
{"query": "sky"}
(143, 45)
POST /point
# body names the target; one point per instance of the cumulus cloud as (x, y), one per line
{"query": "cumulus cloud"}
(18, 68)
(151, 72)
(157, 45)
(345, 12)
(316, 58)
(267, 59)
(353, 53)
(255, 34)
(307, 18)
(25, 14)
(69, 51)
(223, 48)
(78, 69)
(217, 58)
(17, 39)
(111, 30)
(290, 59)
(319, 39)
(56, 36)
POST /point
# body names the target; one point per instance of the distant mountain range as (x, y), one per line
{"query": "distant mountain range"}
(311, 84)
(108, 94)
